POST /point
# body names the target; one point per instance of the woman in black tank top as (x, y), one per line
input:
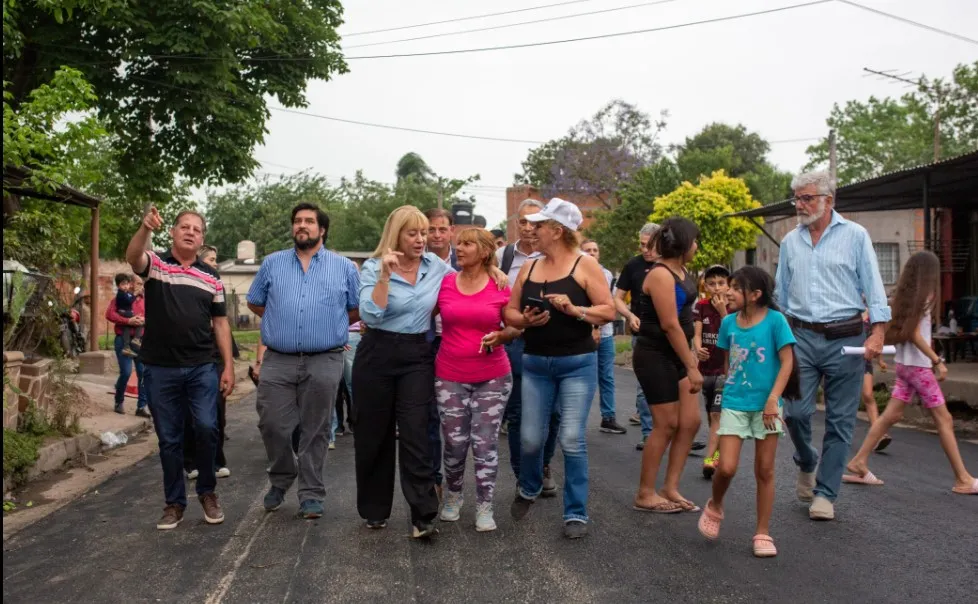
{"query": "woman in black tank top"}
(666, 367)
(557, 300)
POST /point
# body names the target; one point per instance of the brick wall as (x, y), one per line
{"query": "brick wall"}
(517, 195)
(11, 369)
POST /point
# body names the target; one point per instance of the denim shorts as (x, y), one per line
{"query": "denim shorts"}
(747, 424)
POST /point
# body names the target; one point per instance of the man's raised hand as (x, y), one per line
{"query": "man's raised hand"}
(152, 220)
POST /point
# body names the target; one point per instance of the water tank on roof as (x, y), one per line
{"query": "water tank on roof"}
(246, 250)
(462, 212)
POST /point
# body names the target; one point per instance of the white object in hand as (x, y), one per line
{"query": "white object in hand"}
(860, 351)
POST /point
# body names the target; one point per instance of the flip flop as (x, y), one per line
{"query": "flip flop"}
(883, 443)
(687, 506)
(868, 479)
(709, 524)
(663, 507)
(972, 490)
(764, 546)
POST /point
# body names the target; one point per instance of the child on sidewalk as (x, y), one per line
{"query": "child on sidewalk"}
(124, 298)
(760, 370)
(916, 363)
(707, 316)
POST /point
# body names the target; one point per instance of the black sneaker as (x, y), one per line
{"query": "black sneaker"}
(118, 409)
(698, 445)
(641, 445)
(376, 524)
(575, 530)
(610, 426)
(274, 499)
(142, 412)
(520, 507)
(423, 530)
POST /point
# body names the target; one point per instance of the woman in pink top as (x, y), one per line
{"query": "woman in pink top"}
(472, 374)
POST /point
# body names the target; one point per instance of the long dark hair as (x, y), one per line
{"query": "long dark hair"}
(916, 294)
(750, 279)
(674, 238)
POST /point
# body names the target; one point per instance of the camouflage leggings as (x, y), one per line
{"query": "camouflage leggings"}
(472, 413)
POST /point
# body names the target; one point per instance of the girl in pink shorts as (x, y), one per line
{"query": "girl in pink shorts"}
(916, 365)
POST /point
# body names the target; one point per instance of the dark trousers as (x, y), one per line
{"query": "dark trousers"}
(190, 442)
(177, 392)
(434, 425)
(393, 376)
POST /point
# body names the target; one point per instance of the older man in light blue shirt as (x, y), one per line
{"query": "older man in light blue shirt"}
(827, 276)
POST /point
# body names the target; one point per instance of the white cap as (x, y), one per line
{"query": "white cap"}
(564, 212)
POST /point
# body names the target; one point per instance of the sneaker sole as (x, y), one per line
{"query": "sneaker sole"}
(210, 520)
(550, 493)
(611, 431)
(169, 527)
(485, 529)
(444, 518)
(426, 534)
(273, 508)
(312, 516)
(376, 527)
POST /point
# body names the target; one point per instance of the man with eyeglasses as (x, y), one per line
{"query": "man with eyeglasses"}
(826, 265)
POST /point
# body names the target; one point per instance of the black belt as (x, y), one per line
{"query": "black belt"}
(396, 335)
(306, 354)
(818, 327)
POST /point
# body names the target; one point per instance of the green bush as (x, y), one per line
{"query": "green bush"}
(622, 344)
(20, 451)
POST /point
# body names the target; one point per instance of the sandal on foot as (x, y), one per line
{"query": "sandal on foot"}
(972, 490)
(868, 479)
(663, 507)
(764, 546)
(687, 505)
(883, 443)
(709, 524)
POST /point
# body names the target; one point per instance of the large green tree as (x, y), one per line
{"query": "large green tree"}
(616, 231)
(881, 135)
(708, 204)
(183, 86)
(738, 153)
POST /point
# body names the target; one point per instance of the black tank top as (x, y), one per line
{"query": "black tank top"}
(651, 327)
(563, 335)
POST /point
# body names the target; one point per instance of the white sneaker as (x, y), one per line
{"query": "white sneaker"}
(332, 445)
(452, 509)
(192, 475)
(483, 518)
(223, 472)
(821, 509)
(805, 487)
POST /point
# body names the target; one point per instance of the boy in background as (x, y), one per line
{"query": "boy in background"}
(124, 298)
(707, 315)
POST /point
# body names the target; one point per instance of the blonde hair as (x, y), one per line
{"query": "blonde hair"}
(484, 240)
(404, 217)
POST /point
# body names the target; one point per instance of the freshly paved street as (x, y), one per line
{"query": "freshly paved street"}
(909, 541)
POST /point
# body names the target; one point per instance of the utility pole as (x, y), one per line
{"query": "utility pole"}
(833, 162)
(441, 194)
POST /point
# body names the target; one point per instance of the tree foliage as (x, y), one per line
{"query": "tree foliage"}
(616, 231)
(708, 204)
(597, 156)
(882, 135)
(183, 86)
(738, 153)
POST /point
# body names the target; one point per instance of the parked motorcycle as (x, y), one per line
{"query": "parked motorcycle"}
(71, 337)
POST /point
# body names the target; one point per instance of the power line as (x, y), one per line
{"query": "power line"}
(519, 24)
(598, 37)
(456, 20)
(910, 22)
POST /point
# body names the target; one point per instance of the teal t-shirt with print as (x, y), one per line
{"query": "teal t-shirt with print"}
(753, 363)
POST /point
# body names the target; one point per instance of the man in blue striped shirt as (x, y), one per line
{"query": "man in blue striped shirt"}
(827, 266)
(307, 297)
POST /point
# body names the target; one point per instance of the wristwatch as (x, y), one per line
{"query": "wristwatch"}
(940, 361)
(583, 314)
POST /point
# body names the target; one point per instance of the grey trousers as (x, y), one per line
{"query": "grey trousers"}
(298, 391)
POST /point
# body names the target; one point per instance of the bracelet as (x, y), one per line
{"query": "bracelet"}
(387, 280)
(583, 314)
(939, 361)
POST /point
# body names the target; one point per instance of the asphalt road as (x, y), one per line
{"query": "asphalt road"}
(911, 540)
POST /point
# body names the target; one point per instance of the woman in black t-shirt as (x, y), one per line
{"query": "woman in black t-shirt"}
(666, 366)
(557, 300)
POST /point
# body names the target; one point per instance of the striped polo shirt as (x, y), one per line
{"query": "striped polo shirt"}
(181, 303)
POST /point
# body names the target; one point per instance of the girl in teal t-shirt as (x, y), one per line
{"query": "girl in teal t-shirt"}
(760, 369)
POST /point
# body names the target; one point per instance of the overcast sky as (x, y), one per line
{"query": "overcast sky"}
(778, 74)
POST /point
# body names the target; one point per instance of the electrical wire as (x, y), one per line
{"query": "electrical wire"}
(910, 21)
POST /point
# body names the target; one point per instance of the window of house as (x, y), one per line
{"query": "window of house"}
(888, 257)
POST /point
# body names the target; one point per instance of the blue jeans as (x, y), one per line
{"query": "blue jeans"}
(567, 385)
(641, 405)
(176, 391)
(125, 370)
(514, 411)
(820, 359)
(606, 376)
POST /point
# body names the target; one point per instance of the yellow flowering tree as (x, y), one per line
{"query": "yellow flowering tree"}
(709, 205)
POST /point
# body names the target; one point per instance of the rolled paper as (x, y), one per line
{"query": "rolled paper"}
(860, 351)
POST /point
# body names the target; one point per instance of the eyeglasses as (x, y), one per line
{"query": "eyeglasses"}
(805, 199)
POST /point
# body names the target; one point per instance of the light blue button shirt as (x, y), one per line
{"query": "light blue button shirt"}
(827, 282)
(408, 306)
(305, 311)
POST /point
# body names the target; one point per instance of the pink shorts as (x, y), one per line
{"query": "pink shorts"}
(920, 381)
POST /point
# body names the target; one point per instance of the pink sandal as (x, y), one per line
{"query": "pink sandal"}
(709, 524)
(868, 479)
(972, 490)
(764, 546)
